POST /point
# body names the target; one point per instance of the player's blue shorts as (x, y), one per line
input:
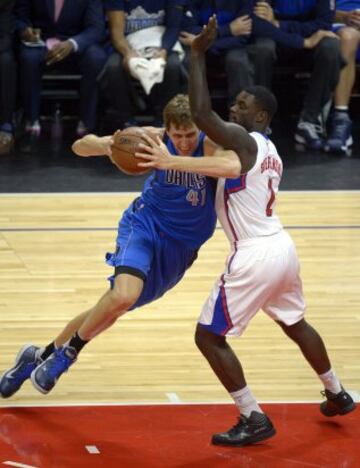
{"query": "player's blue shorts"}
(146, 252)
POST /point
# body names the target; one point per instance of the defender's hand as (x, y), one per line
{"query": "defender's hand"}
(204, 40)
(155, 153)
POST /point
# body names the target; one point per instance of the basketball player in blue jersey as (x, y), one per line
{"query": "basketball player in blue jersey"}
(158, 239)
(262, 268)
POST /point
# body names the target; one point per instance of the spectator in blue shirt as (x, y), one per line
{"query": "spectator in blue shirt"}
(63, 35)
(7, 77)
(306, 18)
(127, 17)
(243, 60)
(245, 45)
(347, 26)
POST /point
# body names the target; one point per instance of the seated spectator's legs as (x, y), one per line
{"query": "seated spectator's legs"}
(340, 138)
(90, 64)
(172, 84)
(327, 62)
(32, 60)
(7, 99)
(350, 41)
(262, 53)
(239, 71)
(117, 88)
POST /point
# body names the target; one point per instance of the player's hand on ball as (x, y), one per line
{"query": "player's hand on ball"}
(155, 152)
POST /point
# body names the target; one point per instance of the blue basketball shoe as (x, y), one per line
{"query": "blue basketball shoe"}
(340, 139)
(45, 376)
(26, 361)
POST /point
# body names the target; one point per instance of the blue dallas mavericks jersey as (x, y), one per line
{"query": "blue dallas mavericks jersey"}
(182, 203)
(161, 231)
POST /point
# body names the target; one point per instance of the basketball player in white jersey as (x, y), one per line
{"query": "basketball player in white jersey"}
(262, 268)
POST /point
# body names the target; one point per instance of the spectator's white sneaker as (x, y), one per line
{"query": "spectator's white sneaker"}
(33, 128)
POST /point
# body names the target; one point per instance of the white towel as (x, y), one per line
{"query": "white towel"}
(146, 69)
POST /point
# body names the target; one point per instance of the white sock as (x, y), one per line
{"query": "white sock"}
(39, 353)
(245, 401)
(330, 381)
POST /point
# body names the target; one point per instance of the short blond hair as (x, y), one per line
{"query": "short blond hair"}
(177, 112)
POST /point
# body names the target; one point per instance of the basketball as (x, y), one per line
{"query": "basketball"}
(124, 148)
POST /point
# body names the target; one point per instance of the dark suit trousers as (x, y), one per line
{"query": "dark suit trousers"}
(88, 64)
(7, 86)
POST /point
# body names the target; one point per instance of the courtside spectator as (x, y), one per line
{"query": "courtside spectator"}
(61, 35)
(147, 31)
(325, 60)
(7, 77)
(347, 26)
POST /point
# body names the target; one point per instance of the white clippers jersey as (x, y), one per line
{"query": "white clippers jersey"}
(245, 206)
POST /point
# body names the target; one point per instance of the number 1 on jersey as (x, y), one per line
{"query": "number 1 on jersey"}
(269, 206)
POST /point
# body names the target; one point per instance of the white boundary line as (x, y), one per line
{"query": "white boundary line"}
(123, 194)
(157, 403)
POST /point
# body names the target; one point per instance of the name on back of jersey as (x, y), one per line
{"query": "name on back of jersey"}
(271, 163)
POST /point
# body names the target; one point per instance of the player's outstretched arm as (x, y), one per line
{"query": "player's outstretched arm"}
(223, 163)
(92, 145)
(228, 135)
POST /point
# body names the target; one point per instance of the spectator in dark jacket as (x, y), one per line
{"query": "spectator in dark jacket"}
(65, 35)
(133, 16)
(347, 27)
(306, 19)
(7, 77)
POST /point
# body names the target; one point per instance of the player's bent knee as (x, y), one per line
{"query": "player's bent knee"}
(126, 291)
(123, 300)
(205, 339)
(294, 330)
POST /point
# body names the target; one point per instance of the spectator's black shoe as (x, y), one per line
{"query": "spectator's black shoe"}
(336, 403)
(247, 431)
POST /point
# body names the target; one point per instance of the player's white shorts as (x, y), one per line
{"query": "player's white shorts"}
(261, 273)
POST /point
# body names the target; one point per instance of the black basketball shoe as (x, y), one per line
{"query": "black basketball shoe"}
(336, 403)
(248, 430)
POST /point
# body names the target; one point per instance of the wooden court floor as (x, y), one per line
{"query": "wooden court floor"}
(52, 268)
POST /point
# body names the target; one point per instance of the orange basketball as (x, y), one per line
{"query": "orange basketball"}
(124, 148)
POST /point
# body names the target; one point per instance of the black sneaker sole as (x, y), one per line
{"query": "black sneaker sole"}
(249, 441)
(341, 412)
